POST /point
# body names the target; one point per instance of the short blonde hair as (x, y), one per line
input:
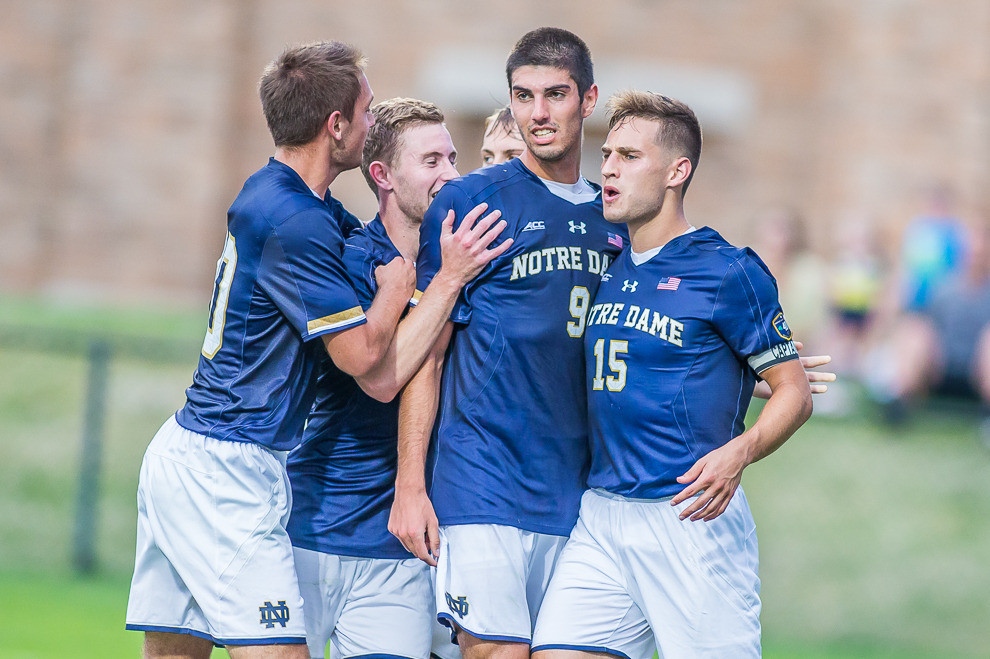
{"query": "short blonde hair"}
(678, 132)
(392, 118)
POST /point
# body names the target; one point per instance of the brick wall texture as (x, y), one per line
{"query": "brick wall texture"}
(126, 128)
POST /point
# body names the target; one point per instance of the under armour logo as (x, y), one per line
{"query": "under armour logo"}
(629, 286)
(272, 614)
(577, 226)
(458, 605)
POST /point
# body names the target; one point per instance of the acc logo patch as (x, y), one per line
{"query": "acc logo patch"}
(781, 326)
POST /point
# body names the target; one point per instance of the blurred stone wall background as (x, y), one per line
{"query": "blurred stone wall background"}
(126, 128)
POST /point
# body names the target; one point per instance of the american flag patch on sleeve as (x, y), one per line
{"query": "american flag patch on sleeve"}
(615, 239)
(669, 283)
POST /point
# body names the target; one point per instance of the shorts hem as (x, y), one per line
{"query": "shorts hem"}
(448, 620)
(267, 640)
(581, 648)
(170, 630)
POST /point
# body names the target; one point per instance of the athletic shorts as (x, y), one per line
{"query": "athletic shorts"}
(491, 579)
(366, 606)
(213, 559)
(634, 578)
(443, 645)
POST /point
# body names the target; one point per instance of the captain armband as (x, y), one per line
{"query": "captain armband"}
(782, 352)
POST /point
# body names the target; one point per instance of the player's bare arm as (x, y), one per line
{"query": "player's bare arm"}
(816, 379)
(413, 520)
(358, 350)
(465, 252)
(716, 476)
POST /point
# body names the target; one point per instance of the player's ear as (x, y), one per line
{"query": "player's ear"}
(380, 175)
(589, 101)
(335, 125)
(678, 172)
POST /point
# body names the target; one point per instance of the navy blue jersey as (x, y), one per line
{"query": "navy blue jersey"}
(346, 220)
(280, 283)
(511, 440)
(672, 348)
(343, 473)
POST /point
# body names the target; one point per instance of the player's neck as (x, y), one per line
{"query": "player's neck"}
(657, 232)
(312, 163)
(402, 230)
(567, 170)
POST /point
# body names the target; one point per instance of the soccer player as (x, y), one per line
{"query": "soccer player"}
(361, 589)
(502, 140)
(664, 552)
(510, 455)
(214, 562)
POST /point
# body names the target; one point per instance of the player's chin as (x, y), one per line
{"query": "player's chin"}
(548, 152)
(613, 213)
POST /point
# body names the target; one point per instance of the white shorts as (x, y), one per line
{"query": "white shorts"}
(443, 645)
(634, 578)
(213, 559)
(491, 579)
(366, 606)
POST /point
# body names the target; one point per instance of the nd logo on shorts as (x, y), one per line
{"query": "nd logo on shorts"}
(274, 614)
(459, 605)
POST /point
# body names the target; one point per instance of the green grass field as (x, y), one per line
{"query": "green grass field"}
(873, 543)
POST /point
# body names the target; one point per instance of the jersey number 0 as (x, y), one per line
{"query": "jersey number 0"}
(221, 293)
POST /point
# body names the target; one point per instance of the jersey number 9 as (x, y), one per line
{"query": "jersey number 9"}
(580, 298)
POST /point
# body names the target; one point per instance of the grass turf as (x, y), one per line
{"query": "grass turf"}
(874, 543)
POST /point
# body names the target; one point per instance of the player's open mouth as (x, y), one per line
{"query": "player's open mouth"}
(609, 194)
(543, 135)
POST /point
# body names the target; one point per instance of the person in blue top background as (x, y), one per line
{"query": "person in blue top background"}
(663, 556)
(361, 589)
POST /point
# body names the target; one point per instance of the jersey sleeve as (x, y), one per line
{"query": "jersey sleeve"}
(303, 273)
(360, 265)
(748, 316)
(428, 261)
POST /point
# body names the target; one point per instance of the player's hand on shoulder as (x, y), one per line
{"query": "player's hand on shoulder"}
(465, 252)
(398, 275)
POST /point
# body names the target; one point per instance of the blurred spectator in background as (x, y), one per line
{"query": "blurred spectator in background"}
(801, 280)
(855, 282)
(502, 140)
(932, 250)
(945, 348)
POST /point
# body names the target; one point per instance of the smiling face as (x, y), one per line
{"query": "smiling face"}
(635, 171)
(550, 111)
(424, 161)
